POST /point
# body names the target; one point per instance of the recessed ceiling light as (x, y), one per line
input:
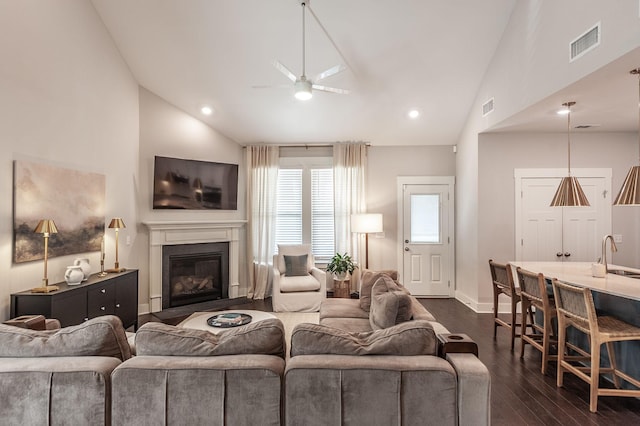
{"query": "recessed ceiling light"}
(206, 110)
(414, 113)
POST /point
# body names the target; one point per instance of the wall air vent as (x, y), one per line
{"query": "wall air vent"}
(586, 126)
(487, 107)
(586, 42)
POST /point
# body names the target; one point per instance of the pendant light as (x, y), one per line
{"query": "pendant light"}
(630, 192)
(569, 193)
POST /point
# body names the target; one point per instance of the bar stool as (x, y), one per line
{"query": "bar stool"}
(576, 308)
(533, 291)
(503, 284)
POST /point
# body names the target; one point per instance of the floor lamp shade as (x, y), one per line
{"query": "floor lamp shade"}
(366, 223)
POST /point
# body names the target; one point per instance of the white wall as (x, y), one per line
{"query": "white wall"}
(530, 64)
(168, 131)
(385, 165)
(67, 99)
(501, 153)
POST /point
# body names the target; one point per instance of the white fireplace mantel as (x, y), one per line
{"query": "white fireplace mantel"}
(163, 233)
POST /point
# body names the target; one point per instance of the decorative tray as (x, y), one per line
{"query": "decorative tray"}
(230, 319)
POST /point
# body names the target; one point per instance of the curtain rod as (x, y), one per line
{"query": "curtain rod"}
(307, 146)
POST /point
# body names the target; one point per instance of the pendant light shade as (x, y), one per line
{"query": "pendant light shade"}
(569, 192)
(629, 194)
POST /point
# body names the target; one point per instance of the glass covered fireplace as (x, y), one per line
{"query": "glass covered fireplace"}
(193, 273)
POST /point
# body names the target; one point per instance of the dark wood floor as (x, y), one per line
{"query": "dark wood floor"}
(521, 395)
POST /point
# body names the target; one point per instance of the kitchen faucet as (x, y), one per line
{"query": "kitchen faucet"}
(604, 250)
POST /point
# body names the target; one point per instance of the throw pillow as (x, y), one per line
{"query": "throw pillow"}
(389, 304)
(295, 266)
(294, 250)
(367, 279)
(262, 337)
(409, 338)
(101, 336)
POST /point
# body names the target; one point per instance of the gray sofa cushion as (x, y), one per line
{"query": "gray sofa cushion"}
(262, 337)
(101, 336)
(389, 304)
(295, 266)
(367, 279)
(409, 338)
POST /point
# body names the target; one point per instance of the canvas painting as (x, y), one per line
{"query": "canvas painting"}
(74, 199)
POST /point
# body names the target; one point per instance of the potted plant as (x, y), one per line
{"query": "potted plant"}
(341, 265)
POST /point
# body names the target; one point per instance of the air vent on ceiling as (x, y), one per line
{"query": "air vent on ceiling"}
(586, 42)
(487, 107)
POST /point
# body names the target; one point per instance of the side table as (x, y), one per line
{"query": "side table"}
(342, 288)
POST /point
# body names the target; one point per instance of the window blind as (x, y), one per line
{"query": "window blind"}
(289, 207)
(322, 234)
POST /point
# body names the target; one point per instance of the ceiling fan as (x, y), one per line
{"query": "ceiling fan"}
(303, 86)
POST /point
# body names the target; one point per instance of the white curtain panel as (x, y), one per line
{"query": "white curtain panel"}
(262, 184)
(349, 178)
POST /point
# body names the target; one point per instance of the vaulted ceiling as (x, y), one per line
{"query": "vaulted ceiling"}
(429, 55)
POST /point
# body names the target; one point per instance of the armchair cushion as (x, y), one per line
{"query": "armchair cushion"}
(294, 250)
(302, 283)
(262, 337)
(101, 336)
(296, 266)
(409, 338)
(389, 304)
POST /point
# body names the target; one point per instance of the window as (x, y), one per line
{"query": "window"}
(305, 205)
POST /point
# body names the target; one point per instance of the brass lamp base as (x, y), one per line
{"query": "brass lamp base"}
(45, 289)
(115, 270)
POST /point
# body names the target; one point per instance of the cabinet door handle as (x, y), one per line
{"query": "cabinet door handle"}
(567, 254)
(102, 308)
(103, 291)
(559, 254)
(117, 305)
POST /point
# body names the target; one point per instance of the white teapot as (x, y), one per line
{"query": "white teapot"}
(74, 275)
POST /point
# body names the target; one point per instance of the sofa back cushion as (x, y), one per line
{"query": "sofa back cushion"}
(101, 336)
(389, 304)
(367, 279)
(409, 338)
(262, 337)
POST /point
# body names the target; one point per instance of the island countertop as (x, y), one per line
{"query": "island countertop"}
(579, 274)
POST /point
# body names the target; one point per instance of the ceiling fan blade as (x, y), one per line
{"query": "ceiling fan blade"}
(271, 86)
(328, 73)
(330, 89)
(284, 70)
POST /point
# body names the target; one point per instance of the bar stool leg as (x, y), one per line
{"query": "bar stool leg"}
(562, 332)
(595, 375)
(545, 342)
(495, 312)
(612, 362)
(514, 320)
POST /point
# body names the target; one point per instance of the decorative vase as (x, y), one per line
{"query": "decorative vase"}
(83, 263)
(74, 275)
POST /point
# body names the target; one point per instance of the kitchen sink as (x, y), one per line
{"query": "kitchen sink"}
(622, 272)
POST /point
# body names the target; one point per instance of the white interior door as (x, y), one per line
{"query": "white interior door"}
(545, 233)
(425, 225)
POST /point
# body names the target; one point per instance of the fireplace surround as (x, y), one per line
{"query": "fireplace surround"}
(171, 233)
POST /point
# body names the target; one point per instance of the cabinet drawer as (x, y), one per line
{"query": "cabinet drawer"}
(101, 300)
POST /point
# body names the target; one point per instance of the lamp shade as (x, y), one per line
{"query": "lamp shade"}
(117, 223)
(46, 226)
(630, 192)
(569, 194)
(366, 223)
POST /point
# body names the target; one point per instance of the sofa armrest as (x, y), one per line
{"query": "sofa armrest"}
(474, 389)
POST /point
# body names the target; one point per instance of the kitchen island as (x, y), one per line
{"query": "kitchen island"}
(614, 295)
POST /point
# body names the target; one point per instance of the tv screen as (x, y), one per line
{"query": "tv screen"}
(194, 185)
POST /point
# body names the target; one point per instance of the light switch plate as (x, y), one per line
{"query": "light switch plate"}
(617, 238)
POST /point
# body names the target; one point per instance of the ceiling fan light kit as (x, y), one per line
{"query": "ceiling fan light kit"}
(303, 89)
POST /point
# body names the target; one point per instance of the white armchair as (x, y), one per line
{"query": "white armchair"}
(298, 286)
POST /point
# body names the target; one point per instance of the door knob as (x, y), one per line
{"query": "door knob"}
(406, 249)
(559, 254)
(406, 241)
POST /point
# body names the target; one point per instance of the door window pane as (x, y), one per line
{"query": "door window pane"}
(425, 218)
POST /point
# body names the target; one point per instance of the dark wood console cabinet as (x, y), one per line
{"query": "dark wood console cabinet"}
(114, 294)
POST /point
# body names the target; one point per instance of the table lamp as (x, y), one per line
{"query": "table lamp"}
(45, 227)
(117, 224)
(366, 223)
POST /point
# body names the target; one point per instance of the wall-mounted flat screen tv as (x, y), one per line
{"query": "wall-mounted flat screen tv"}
(194, 185)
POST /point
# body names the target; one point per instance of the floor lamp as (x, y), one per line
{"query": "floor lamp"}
(366, 223)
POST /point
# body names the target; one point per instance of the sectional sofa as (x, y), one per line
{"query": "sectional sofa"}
(341, 371)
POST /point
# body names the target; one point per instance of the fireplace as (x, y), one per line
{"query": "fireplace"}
(193, 273)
